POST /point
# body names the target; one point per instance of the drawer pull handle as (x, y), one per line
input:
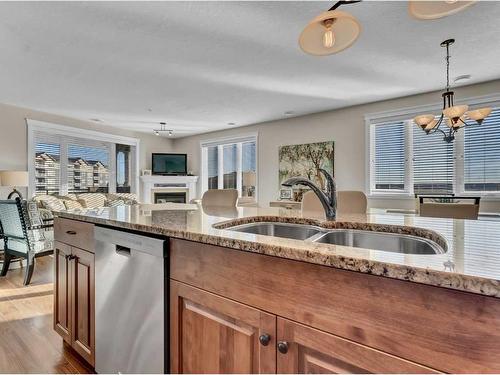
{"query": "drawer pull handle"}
(265, 339)
(283, 347)
(72, 232)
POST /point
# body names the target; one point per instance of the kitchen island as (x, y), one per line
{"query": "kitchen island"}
(254, 303)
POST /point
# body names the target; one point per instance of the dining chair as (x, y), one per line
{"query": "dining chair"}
(348, 202)
(220, 198)
(449, 210)
(351, 202)
(24, 236)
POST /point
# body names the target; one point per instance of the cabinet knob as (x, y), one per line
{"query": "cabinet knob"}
(283, 347)
(265, 339)
(72, 232)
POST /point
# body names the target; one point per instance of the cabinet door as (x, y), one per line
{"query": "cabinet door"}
(306, 350)
(82, 304)
(211, 334)
(62, 291)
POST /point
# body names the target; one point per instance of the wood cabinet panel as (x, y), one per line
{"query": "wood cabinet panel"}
(440, 328)
(74, 233)
(211, 334)
(82, 304)
(311, 351)
(62, 291)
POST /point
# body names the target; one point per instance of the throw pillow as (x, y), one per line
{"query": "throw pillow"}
(72, 205)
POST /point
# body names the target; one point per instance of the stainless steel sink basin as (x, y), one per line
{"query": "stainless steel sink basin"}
(293, 231)
(392, 242)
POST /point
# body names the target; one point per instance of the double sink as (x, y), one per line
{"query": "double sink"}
(391, 242)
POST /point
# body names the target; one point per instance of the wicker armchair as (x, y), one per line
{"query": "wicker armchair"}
(24, 234)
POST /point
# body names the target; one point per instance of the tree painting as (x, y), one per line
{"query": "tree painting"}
(306, 160)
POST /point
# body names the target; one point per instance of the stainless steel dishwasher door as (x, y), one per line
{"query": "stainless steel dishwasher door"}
(129, 303)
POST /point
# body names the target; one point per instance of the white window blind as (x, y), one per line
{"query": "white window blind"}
(433, 163)
(482, 155)
(389, 156)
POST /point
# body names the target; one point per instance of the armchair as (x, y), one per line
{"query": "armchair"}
(24, 235)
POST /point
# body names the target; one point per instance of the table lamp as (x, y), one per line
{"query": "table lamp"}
(14, 179)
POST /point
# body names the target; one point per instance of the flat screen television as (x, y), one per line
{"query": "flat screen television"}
(169, 164)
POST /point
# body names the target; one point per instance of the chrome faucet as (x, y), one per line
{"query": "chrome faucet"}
(328, 199)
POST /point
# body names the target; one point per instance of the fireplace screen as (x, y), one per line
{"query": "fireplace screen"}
(170, 197)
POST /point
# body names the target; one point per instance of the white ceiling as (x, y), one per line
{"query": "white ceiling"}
(201, 65)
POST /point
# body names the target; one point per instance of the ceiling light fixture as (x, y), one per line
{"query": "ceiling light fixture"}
(330, 32)
(163, 128)
(455, 116)
(431, 10)
(463, 77)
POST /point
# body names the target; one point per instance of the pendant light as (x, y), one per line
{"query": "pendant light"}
(454, 116)
(330, 32)
(431, 10)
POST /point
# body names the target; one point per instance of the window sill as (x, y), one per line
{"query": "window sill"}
(404, 196)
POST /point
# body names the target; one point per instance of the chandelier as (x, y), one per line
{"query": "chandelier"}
(163, 129)
(454, 116)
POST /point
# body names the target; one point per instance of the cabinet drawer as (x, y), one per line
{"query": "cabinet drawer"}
(74, 233)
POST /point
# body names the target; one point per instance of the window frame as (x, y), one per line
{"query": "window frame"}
(55, 131)
(406, 115)
(220, 143)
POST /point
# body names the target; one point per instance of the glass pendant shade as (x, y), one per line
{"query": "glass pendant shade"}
(479, 114)
(431, 10)
(455, 112)
(456, 123)
(423, 120)
(330, 32)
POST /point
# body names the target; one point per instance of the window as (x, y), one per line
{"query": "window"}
(47, 168)
(482, 155)
(88, 169)
(433, 161)
(389, 161)
(403, 160)
(79, 161)
(231, 164)
(123, 168)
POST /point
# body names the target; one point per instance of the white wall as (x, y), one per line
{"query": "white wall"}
(14, 141)
(344, 126)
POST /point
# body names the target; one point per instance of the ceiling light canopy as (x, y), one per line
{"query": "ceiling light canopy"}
(454, 116)
(431, 10)
(330, 32)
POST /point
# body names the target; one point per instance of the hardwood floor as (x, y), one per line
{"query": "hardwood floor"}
(28, 344)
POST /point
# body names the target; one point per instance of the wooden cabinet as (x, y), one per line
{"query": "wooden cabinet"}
(306, 350)
(62, 291)
(74, 314)
(211, 334)
(341, 321)
(82, 304)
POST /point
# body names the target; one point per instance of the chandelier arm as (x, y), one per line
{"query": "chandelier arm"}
(465, 123)
(343, 2)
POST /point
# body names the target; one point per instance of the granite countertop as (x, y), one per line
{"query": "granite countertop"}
(471, 262)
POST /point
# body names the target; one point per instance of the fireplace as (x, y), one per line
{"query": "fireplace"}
(170, 197)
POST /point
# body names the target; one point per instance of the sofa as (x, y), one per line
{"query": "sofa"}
(49, 203)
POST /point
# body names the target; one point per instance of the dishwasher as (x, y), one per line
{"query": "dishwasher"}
(131, 303)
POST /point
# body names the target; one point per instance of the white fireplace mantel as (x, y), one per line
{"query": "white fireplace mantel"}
(152, 184)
